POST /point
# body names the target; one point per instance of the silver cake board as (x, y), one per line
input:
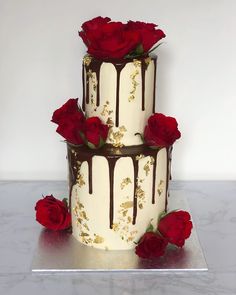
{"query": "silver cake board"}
(59, 252)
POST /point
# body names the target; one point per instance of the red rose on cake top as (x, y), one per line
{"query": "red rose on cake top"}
(148, 33)
(161, 131)
(107, 39)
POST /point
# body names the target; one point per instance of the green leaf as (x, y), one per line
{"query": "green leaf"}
(91, 145)
(139, 49)
(101, 142)
(150, 227)
(65, 201)
(163, 214)
(151, 50)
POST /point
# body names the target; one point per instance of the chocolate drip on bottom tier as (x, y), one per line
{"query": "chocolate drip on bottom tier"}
(111, 163)
(168, 173)
(135, 164)
(154, 179)
(79, 154)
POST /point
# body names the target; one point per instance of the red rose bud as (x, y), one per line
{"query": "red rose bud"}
(53, 213)
(70, 120)
(149, 35)
(151, 245)
(176, 227)
(161, 131)
(95, 132)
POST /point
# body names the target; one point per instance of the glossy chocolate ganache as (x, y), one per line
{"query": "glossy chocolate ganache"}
(79, 154)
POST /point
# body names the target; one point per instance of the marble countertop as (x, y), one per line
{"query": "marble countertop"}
(213, 209)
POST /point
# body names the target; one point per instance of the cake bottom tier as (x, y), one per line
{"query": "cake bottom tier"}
(115, 193)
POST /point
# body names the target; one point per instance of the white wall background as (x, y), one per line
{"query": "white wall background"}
(40, 68)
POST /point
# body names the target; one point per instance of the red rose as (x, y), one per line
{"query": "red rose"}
(176, 227)
(62, 114)
(161, 131)
(149, 35)
(53, 213)
(71, 128)
(95, 132)
(106, 39)
(70, 120)
(151, 245)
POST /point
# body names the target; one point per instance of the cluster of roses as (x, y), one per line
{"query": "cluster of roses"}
(76, 129)
(160, 131)
(174, 228)
(108, 39)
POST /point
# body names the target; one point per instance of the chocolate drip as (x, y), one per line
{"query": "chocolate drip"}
(135, 164)
(154, 86)
(90, 161)
(154, 179)
(111, 163)
(94, 66)
(83, 101)
(119, 68)
(168, 162)
(143, 72)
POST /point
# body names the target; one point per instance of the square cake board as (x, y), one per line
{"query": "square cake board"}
(59, 252)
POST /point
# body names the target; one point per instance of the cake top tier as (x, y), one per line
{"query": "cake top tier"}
(121, 92)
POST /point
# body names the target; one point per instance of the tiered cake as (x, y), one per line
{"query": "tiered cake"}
(117, 190)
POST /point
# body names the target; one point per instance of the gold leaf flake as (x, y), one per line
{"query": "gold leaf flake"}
(139, 193)
(87, 60)
(134, 85)
(160, 187)
(152, 161)
(83, 234)
(86, 226)
(129, 219)
(137, 63)
(115, 226)
(90, 74)
(83, 214)
(109, 122)
(98, 239)
(126, 205)
(125, 182)
(124, 213)
(80, 180)
(140, 206)
(79, 220)
(130, 239)
(146, 168)
(123, 129)
(148, 60)
(139, 157)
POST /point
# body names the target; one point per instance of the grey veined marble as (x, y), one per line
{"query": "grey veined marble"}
(213, 209)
